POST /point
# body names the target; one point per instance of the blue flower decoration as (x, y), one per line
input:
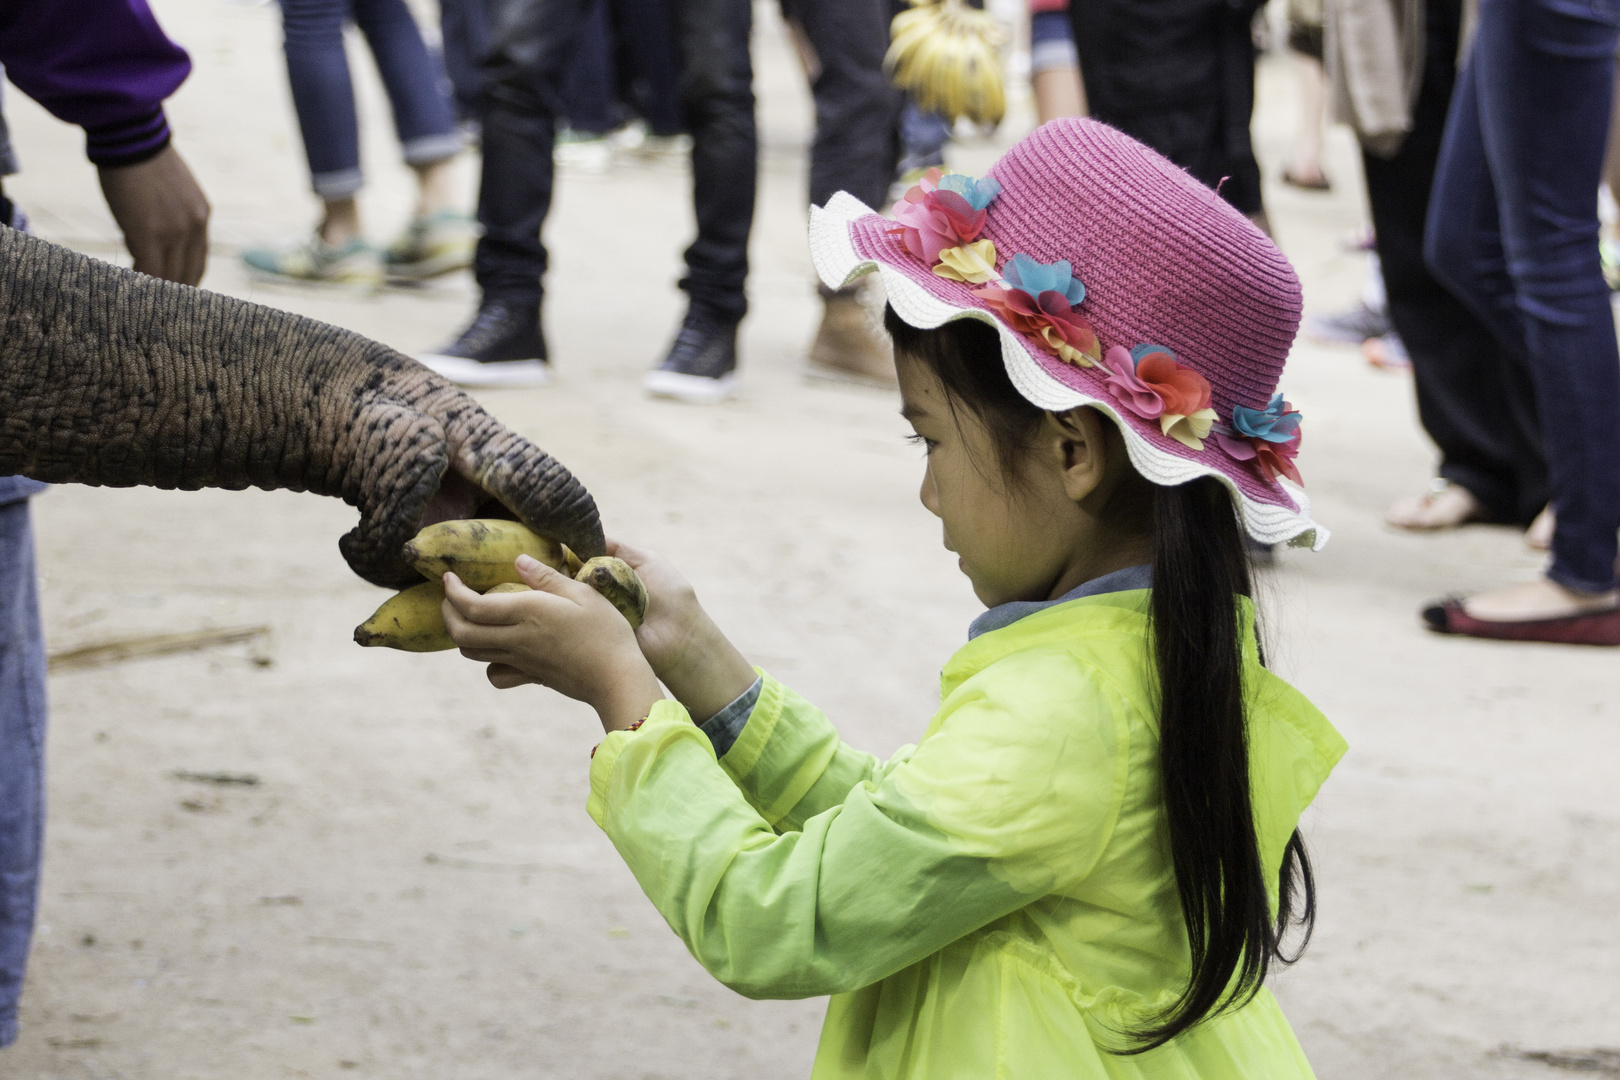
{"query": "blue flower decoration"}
(1273, 424)
(1139, 351)
(1033, 277)
(978, 193)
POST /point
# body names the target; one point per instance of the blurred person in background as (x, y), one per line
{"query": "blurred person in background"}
(1394, 68)
(856, 147)
(106, 66)
(1513, 231)
(439, 237)
(1179, 76)
(1304, 169)
(1054, 63)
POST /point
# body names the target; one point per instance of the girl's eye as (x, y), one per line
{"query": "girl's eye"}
(919, 440)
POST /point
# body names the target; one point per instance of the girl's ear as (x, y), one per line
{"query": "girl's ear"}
(1080, 448)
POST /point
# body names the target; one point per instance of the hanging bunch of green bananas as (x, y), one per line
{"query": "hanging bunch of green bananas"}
(948, 55)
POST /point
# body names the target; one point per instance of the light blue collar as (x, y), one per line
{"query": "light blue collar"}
(1132, 577)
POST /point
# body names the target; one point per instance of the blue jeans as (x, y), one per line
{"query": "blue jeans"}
(22, 748)
(324, 97)
(1513, 232)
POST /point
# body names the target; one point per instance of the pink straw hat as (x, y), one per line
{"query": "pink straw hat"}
(1117, 281)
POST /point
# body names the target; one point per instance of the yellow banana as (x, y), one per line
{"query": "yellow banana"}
(947, 55)
(479, 551)
(412, 620)
(614, 579)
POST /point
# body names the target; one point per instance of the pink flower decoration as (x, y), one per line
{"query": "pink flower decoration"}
(1050, 319)
(1128, 390)
(1149, 382)
(932, 219)
(1271, 458)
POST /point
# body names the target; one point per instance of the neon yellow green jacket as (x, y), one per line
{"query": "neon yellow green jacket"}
(996, 901)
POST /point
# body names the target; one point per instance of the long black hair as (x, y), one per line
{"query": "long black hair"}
(1200, 568)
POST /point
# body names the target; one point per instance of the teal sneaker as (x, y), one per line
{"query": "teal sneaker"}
(354, 265)
(431, 245)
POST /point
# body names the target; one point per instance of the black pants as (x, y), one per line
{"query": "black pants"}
(1475, 398)
(1177, 75)
(532, 44)
(855, 149)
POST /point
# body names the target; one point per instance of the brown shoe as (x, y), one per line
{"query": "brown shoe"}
(851, 345)
(1591, 628)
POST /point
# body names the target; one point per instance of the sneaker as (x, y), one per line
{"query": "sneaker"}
(1351, 328)
(354, 265)
(851, 345)
(431, 245)
(701, 366)
(502, 347)
(583, 151)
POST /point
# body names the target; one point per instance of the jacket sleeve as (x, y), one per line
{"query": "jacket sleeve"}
(1008, 798)
(789, 762)
(104, 65)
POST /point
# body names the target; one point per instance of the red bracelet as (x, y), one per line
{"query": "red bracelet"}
(631, 728)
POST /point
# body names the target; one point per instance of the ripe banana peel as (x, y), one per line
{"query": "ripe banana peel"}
(412, 620)
(481, 552)
(949, 56)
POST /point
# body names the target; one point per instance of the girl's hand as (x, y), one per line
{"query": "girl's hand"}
(563, 635)
(686, 649)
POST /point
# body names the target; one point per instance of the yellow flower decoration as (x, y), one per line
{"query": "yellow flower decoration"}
(1190, 431)
(974, 263)
(1068, 353)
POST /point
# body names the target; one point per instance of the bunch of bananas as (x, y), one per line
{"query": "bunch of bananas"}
(948, 55)
(481, 553)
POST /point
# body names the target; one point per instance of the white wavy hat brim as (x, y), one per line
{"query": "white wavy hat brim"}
(833, 251)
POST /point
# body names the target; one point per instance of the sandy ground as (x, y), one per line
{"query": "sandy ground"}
(412, 887)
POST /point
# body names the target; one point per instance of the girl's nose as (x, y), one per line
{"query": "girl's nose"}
(928, 494)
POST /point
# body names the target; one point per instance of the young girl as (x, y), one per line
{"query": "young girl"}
(1087, 864)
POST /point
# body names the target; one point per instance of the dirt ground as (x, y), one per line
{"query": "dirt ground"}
(411, 887)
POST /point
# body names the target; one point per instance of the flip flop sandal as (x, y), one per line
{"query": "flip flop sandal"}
(1594, 628)
(1321, 183)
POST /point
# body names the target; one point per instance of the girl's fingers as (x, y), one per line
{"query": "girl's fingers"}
(505, 677)
(487, 656)
(497, 610)
(632, 555)
(472, 635)
(542, 578)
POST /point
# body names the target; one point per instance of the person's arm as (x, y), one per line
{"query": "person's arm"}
(1013, 793)
(1005, 801)
(106, 66)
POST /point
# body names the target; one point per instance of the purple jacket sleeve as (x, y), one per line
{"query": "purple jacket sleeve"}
(104, 65)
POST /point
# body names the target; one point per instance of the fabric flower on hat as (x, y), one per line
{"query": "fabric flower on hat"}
(978, 192)
(1269, 437)
(974, 263)
(1149, 382)
(932, 218)
(1038, 299)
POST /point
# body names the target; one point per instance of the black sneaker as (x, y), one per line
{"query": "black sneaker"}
(502, 347)
(701, 366)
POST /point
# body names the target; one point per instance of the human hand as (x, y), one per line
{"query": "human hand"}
(686, 649)
(563, 635)
(163, 214)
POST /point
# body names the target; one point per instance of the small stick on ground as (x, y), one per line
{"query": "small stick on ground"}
(112, 652)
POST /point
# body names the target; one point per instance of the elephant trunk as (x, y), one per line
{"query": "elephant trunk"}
(109, 377)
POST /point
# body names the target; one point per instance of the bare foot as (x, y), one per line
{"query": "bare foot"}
(1540, 533)
(1444, 506)
(1539, 599)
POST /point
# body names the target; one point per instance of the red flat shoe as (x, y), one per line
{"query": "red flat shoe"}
(1595, 628)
